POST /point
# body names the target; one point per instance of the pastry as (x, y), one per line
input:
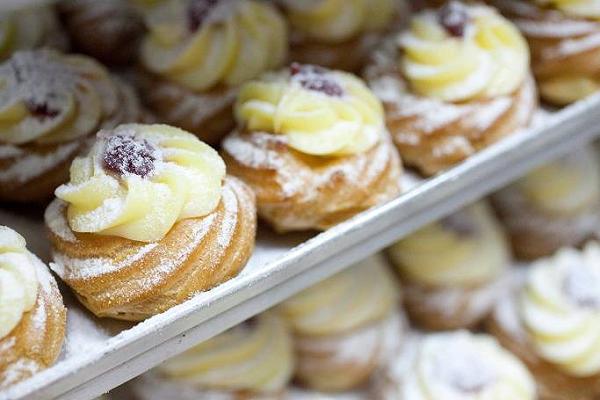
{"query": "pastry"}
(452, 270)
(198, 52)
(29, 27)
(312, 144)
(32, 315)
(456, 365)
(345, 326)
(553, 206)
(148, 219)
(454, 82)
(252, 361)
(551, 320)
(339, 34)
(563, 37)
(109, 30)
(50, 106)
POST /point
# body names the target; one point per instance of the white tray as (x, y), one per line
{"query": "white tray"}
(100, 355)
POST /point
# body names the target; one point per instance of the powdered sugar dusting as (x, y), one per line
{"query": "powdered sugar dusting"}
(57, 223)
(15, 371)
(74, 268)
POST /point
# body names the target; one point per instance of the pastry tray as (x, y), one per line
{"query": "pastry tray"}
(101, 354)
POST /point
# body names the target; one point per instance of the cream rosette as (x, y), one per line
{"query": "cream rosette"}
(560, 308)
(363, 294)
(319, 111)
(463, 52)
(222, 42)
(139, 180)
(465, 249)
(255, 357)
(567, 186)
(458, 366)
(18, 280)
(335, 21)
(49, 98)
(576, 8)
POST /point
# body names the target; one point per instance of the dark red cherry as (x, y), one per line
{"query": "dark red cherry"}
(126, 155)
(198, 10)
(453, 17)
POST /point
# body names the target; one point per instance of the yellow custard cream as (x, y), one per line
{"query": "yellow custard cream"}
(576, 8)
(202, 44)
(560, 307)
(255, 356)
(467, 248)
(18, 280)
(353, 298)
(336, 21)
(319, 111)
(463, 52)
(139, 180)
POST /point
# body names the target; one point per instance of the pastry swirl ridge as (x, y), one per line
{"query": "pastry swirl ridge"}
(32, 314)
(132, 280)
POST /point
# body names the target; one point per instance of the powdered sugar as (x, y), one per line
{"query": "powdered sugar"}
(14, 372)
(57, 223)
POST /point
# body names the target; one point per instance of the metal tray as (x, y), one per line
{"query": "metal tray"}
(101, 354)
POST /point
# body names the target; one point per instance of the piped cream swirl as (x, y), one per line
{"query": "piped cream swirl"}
(351, 299)
(319, 111)
(18, 280)
(139, 180)
(464, 249)
(224, 42)
(463, 52)
(560, 307)
(255, 356)
(336, 21)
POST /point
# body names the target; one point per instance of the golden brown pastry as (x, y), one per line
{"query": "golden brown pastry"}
(50, 106)
(32, 314)
(553, 206)
(452, 270)
(29, 27)
(198, 52)
(551, 320)
(339, 34)
(564, 39)
(251, 361)
(456, 365)
(312, 144)
(109, 30)
(345, 326)
(147, 220)
(454, 82)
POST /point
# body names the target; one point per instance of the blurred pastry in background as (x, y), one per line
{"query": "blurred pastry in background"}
(252, 361)
(51, 105)
(345, 326)
(455, 365)
(197, 53)
(553, 206)
(312, 143)
(147, 220)
(563, 37)
(28, 28)
(109, 30)
(551, 320)
(452, 83)
(32, 314)
(453, 270)
(339, 34)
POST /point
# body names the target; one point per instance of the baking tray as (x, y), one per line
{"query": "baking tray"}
(101, 354)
